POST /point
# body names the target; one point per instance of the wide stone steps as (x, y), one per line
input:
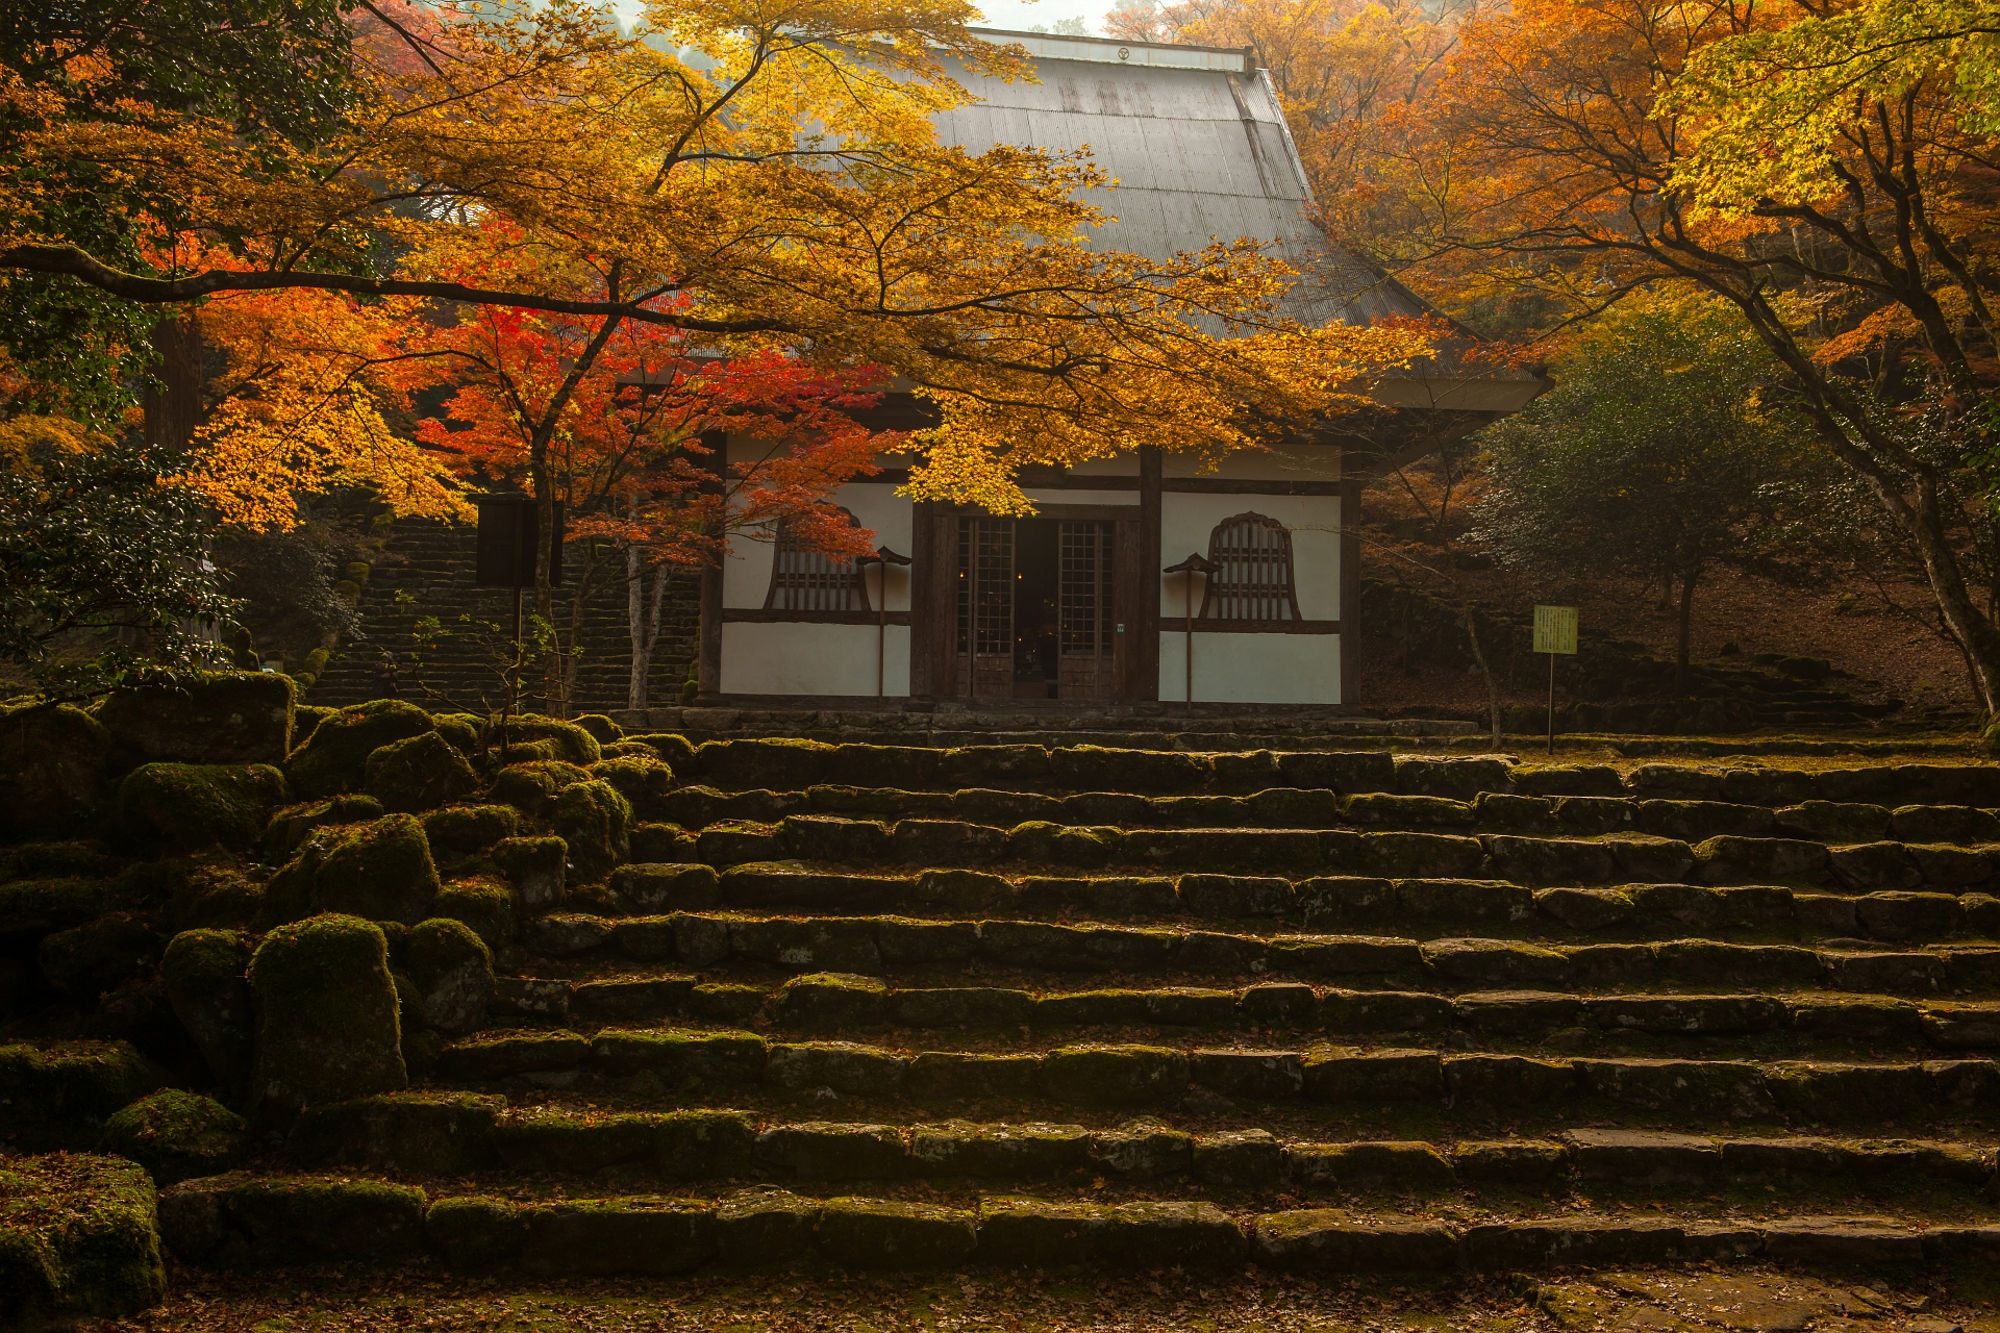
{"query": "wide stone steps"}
(898, 946)
(847, 1004)
(1529, 861)
(1306, 807)
(470, 1135)
(1422, 907)
(250, 1220)
(1474, 1087)
(791, 766)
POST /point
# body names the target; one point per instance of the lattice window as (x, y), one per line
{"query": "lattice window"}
(986, 585)
(812, 582)
(1084, 602)
(1252, 584)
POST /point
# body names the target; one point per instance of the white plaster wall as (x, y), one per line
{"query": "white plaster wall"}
(746, 570)
(1187, 519)
(1252, 668)
(812, 659)
(1055, 497)
(1294, 463)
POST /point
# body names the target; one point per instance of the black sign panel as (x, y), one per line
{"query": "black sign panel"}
(508, 532)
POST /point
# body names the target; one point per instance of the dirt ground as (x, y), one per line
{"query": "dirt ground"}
(1735, 1301)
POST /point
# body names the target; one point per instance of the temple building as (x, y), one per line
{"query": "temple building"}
(1138, 578)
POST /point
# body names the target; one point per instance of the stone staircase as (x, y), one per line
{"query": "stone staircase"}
(1320, 1011)
(433, 564)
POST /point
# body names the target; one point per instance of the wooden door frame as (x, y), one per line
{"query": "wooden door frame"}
(934, 600)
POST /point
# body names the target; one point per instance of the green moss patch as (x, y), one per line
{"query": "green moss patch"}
(59, 1096)
(570, 741)
(327, 1024)
(77, 1238)
(204, 973)
(530, 786)
(484, 905)
(467, 830)
(232, 718)
(419, 772)
(192, 806)
(335, 759)
(382, 871)
(596, 823)
(175, 1135)
(43, 903)
(55, 766)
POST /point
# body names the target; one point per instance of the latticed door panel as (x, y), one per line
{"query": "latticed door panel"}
(1085, 604)
(985, 640)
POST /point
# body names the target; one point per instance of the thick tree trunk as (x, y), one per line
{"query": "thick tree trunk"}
(1686, 633)
(173, 405)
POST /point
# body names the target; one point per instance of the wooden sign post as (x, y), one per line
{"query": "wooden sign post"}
(1555, 632)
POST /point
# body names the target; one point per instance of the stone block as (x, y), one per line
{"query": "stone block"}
(1115, 1075)
(1360, 1013)
(676, 1057)
(1501, 1085)
(1173, 1235)
(1947, 867)
(1517, 1013)
(1370, 1167)
(822, 1151)
(1235, 896)
(845, 1067)
(1465, 903)
(883, 1235)
(1038, 1233)
(765, 1227)
(621, 1237)
(1637, 1156)
(1242, 1159)
(1834, 821)
(485, 1059)
(1487, 962)
(630, 999)
(476, 1234)
(1007, 1152)
(1315, 1240)
(1727, 859)
(1373, 1077)
(1841, 1243)
(1280, 1005)
(1528, 1166)
(1836, 1093)
(1143, 1150)
(1586, 909)
(831, 1002)
(1731, 1089)
(1250, 1074)
(1905, 973)
(938, 1077)
(975, 1007)
(1711, 1015)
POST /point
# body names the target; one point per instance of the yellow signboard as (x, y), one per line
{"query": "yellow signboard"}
(1555, 629)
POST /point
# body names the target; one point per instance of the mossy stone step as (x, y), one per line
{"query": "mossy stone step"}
(1533, 861)
(885, 945)
(454, 1134)
(230, 1221)
(1448, 905)
(843, 1002)
(1480, 1085)
(77, 1239)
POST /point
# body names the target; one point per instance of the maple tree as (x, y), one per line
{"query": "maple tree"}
(1577, 151)
(679, 171)
(629, 425)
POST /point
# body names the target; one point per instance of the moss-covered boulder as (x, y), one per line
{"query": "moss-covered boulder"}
(38, 905)
(291, 826)
(676, 749)
(468, 830)
(59, 1096)
(236, 718)
(487, 907)
(192, 806)
(571, 742)
(335, 759)
(531, 787)
(537, 868)
(382, 871)
(465, 731)
(326, 1013)
(601, 727)
(77, 1239)
(596, 822)
(85, 961)
(175, 1135)
(55, 768)
(205, 976)
(452, 970)
(643, 781)
(420, 772)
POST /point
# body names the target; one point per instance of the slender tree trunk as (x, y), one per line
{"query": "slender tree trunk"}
(1688, 577)
(1492, 686)
(635, 623)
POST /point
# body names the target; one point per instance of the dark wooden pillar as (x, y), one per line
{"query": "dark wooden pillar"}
(1144, 681)
(1350, 586)
(927, 571)
(708, 656)
(172, 406)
